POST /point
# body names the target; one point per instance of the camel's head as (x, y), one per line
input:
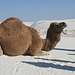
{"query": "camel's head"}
(57, 27)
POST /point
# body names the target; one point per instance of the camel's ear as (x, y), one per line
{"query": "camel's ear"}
(52, 25)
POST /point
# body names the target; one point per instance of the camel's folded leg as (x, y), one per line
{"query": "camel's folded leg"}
(40, 53)
(36, 51)
(45, 53)
(1, 52)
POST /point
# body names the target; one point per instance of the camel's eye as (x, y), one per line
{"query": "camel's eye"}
(57, 25)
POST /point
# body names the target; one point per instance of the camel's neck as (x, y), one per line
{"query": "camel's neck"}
(50, 42)
(54, 37)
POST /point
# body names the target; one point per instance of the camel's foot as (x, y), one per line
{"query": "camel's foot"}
(45, 53)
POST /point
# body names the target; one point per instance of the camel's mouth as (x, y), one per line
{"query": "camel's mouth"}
(63, 25)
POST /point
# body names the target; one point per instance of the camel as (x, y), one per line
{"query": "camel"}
(19, 39)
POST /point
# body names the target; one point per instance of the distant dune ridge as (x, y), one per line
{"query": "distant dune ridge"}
(43, 25)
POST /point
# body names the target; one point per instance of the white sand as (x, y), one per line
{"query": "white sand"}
(61, 61)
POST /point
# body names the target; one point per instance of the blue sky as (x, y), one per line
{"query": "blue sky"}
(35, 10)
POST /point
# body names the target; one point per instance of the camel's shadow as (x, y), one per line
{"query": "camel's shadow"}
(52, 65)
(64, 49)
(71, 54)
(56, 60)
(71, 50)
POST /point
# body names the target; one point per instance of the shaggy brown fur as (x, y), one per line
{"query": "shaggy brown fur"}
(53, 35)
(19, 39)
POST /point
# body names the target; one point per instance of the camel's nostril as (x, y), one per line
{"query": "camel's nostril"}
(63, 24)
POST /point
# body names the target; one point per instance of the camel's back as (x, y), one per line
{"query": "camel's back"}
(14, 27)
(11, 26)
